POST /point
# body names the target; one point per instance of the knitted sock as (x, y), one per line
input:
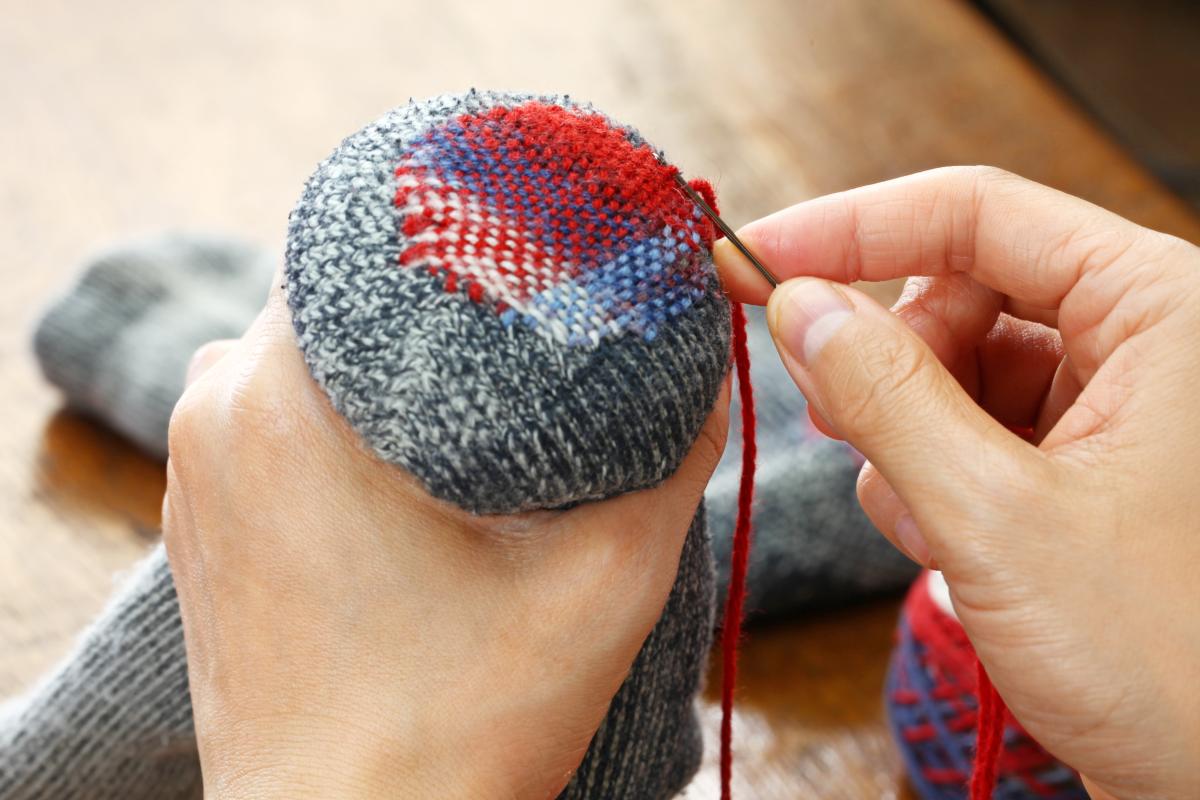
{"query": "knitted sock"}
(813, 545)
(114, 719)
(118, 343)
(933, 709)
(506, 296)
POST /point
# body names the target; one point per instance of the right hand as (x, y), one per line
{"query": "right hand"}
(1072, 560)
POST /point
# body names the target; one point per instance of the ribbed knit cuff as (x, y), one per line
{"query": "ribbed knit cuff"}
(118, 342)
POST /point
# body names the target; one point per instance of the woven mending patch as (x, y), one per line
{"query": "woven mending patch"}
(554, 218)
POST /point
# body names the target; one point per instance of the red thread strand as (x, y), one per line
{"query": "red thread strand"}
(735, 597)
(989, 738)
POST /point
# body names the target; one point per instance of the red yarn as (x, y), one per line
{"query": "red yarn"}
(989, 739)
(989, 735)
(731, 627)
(735, 597)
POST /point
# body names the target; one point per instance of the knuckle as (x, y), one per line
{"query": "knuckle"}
(263, 399)
(248, 406)
(975, 183)
(1087, 250)
(906, 366)
(255, 400)
(191, 423)
(914, 292)
(964, 193)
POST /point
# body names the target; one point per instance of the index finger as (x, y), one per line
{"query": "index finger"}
(1020, 238)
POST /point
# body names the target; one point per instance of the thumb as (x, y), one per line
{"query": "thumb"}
(882, 389)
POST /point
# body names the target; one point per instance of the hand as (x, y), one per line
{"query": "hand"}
(1072, 556)
(348, 635)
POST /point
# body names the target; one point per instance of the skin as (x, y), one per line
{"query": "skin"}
(350, 636)
(1070, 551)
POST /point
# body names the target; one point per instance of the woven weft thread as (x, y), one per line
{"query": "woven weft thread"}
(554, 218)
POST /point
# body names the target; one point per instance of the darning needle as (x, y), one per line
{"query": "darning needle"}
(695, 197)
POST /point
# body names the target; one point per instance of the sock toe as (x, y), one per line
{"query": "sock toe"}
(506, 296)
(118, 342)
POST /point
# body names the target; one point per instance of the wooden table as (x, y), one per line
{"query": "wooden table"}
(121, 117)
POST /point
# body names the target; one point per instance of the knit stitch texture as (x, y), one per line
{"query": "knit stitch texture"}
(508, 318)
(114, 719)
(933, 709)
(118, 343)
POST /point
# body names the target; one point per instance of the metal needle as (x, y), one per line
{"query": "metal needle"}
(695, 197)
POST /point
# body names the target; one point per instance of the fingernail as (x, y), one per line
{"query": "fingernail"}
(810, 313)
(910, 536)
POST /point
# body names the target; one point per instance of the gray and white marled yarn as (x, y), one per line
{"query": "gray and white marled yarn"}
(440, 386)
(118, 343)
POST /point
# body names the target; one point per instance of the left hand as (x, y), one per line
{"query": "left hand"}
(349, 635)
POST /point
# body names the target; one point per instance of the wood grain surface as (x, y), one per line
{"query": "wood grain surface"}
(123, 117)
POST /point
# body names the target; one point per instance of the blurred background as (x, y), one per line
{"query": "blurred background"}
(123, 117)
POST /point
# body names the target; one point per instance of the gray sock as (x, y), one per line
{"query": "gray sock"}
(114, 719)
(446, 385)
(119, 342)
(569, 352)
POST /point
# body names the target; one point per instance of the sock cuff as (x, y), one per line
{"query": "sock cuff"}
(118, 341)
